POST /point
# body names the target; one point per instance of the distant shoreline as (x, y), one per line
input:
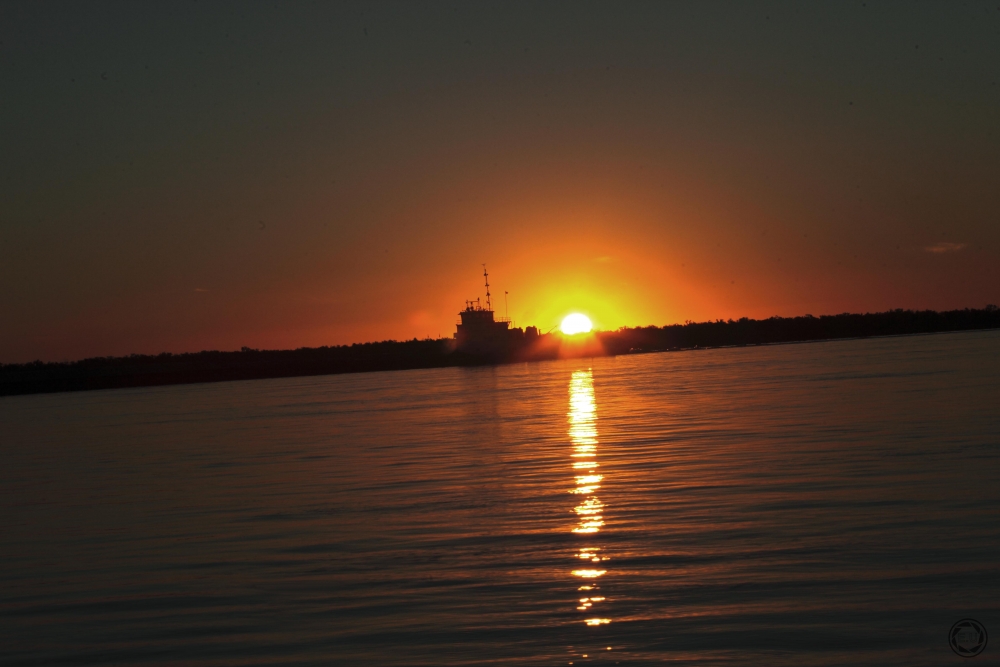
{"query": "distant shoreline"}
(248, 364)
(806, 342)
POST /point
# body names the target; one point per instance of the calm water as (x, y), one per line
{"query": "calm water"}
(822, 504)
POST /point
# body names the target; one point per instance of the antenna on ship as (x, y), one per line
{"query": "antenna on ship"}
(506, 309)
(489, 304)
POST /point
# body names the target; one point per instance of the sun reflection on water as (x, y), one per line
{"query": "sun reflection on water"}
(582, 418)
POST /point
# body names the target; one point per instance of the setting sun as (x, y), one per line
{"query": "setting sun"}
(575, 323)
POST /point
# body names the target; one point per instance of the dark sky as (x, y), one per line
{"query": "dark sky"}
(205, 175)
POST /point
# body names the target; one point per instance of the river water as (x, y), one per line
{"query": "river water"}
(817, 504)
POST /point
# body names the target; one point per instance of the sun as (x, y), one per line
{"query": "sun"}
(575, 323)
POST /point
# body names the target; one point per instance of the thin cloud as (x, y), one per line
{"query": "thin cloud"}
(943, 247)
(199, 289)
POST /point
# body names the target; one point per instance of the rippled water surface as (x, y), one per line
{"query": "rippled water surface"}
(830, 503)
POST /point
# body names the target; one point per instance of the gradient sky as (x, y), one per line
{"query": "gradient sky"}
(204, 175)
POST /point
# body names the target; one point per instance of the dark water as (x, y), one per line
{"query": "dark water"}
(821, 504)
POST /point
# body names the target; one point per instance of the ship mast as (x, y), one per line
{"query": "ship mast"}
(489, 304)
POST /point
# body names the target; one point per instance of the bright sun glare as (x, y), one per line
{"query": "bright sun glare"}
(575, 323)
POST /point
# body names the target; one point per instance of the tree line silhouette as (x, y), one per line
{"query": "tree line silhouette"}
(797, 329)
(212, 366)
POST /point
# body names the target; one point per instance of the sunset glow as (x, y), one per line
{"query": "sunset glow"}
(576, 324)
(609, 197)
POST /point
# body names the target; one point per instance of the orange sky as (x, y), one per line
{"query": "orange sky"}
(288, 176)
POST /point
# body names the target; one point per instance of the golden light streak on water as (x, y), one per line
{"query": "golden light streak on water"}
(582, 417)
(589, 574)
